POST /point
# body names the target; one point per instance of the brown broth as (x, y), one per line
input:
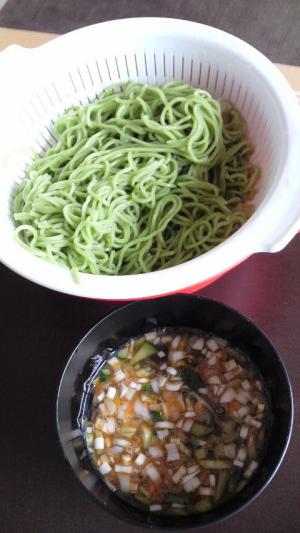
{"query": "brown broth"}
(178, 421)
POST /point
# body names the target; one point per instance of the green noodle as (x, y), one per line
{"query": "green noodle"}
(141, 179)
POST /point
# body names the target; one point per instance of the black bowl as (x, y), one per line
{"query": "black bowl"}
(173, 311)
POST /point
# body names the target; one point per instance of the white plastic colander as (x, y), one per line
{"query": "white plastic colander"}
(38, 84)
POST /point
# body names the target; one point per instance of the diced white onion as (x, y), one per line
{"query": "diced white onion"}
(141, 410)
(153, 473)
(119, 375)
(176, 355)
(246, 384)
(161, 354)
(124, 482)
(123, 469)
(155, 507)
(212, 345)
(150, 336)
(114, 362)
(241, 455)
(248, 473)
(202, 390)
(164, 424)
(193, 469)
(212, 360)
(143, 380)
(121, 412)
(173, 386)
(162, 433)
(88, 430)
(215, 389)
(154, 385)
(212, 480)
(191, 485)
(242, 398)
(214, 380)
(179, 474)
(220, 390)
(244, 432)
(172, 452)
(238, 463)
(230, 365)
(136, 386)
(100, 397)
(189, 414)
(256, 423)
(243, 411)
(116, 450)
(104, 469)
(123, 390)
(141, 458)
(109, 406)
(163, 366)
(172, 371)
(260, 407)
(190, 476)
(161, 380)
(129, 394)
(187, 425)
(166, 338)
(175, 342)
(99, 443)
(155, 451)
(230, 451)
(201, 442)
(206, 491)
(121, 442)
(198, 344)
(111, 392)
(110, 425)
(227, 396)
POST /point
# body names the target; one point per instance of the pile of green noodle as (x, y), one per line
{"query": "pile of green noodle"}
(141, 179)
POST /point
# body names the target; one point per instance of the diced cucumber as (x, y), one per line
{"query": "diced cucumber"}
(127, 431)
(122, 354)
(146, 350)
(146, 435)
(221, 484)
(216, 464)
(200, 454)
(202, 505)
(182, 447)
(89, 437)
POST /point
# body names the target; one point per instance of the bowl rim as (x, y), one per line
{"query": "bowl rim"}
(287, 437)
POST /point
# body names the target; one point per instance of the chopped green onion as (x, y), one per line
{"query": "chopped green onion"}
(156, 416)
(104, 375)
(147, 387)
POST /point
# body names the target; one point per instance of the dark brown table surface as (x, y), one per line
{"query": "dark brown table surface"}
(39, 328)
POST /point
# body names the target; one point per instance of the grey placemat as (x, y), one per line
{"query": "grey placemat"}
(270, 25)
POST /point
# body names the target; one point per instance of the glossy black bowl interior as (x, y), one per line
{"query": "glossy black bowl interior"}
(185, 311)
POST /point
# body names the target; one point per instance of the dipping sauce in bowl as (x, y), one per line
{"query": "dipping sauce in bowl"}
(178, 421)
(174, 412)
